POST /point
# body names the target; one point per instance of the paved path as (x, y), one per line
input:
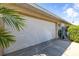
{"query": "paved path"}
(61, 48)
(56, 48)
(50, 48)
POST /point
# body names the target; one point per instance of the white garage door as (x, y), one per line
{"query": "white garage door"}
(35, 32)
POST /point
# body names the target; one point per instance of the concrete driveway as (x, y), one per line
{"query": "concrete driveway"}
(55, 48)
(50, 48)
(61, 48)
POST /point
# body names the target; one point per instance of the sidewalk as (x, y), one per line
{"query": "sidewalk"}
(72, 50)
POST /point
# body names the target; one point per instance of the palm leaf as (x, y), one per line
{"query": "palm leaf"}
(6, 38)
(4, 10)
(10, 17)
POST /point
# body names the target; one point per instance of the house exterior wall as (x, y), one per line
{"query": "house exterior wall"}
(36, 31)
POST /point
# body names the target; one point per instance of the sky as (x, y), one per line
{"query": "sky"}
(67, 11)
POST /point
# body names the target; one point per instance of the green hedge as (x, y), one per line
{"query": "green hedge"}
(73, 33)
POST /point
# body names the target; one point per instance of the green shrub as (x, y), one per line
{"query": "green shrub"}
(74, 33)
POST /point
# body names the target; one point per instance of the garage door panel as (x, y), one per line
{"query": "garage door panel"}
(36, 31)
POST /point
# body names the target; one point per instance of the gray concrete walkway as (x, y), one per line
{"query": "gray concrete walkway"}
(50, 48)
(56, 48)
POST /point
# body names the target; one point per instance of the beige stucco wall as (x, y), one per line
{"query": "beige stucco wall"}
(35, 32)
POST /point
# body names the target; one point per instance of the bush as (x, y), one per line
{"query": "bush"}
(74, 33)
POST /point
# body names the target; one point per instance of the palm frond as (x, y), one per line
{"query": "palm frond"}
(4, 10)
(6, 38)
(10, 17)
